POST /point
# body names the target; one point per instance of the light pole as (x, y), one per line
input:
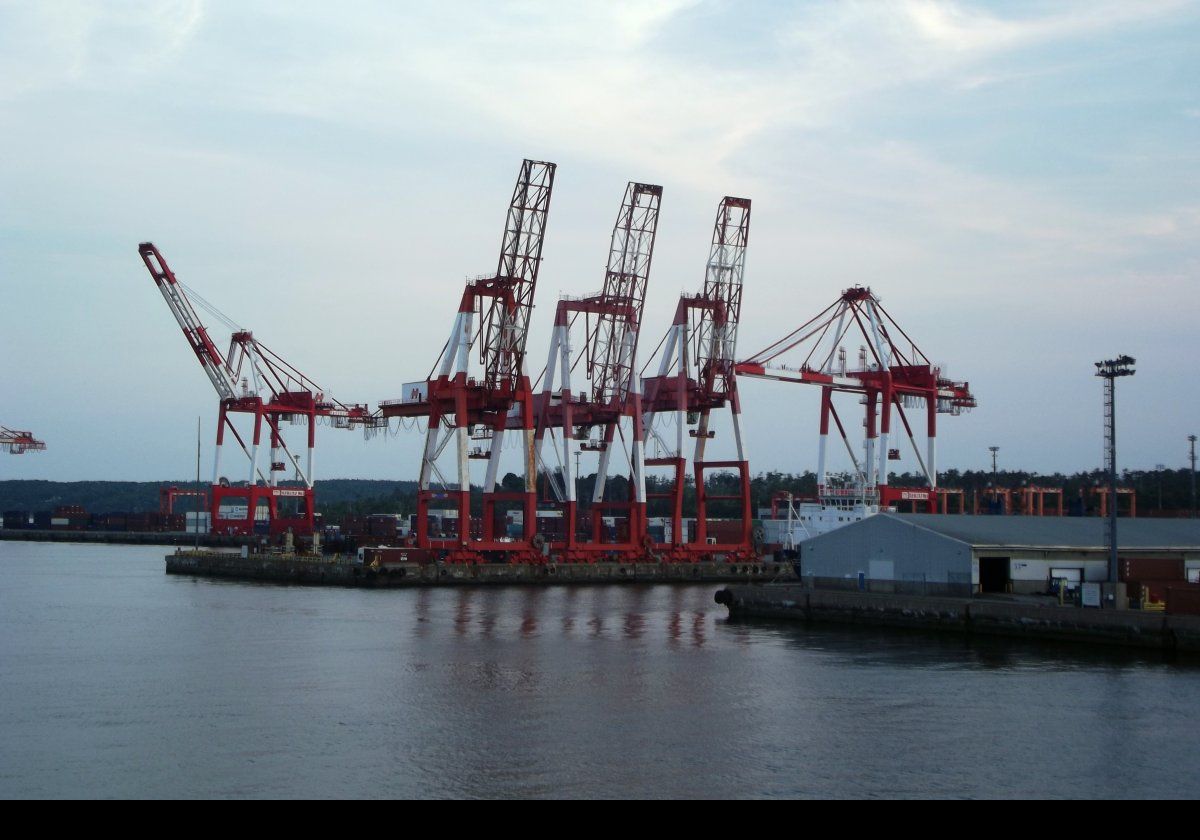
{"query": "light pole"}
(577, 454)
(991, 496)
(1192, 458)
(1158, 468)
(1109, 370)
(197, 487)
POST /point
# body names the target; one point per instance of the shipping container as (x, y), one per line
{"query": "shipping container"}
(1183, 599)
(1151, 568)
(385, 557)
(112, 522)
(381, 525)
(198, 522)
(17, 519)
(138, 522)
(724, 530)
(353, 525)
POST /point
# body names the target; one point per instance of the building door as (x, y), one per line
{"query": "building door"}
(994, 574)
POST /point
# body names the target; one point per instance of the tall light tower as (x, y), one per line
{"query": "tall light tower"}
(1109, 370)
(1158, 468)
(993, 450)
(1192, 457)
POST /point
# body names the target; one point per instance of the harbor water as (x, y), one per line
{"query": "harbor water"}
(117, 680)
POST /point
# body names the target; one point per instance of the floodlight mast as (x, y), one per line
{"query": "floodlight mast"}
(1192, 458)
(1110, 370)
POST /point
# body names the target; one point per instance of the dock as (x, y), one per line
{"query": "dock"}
(965, 616)
(124, 537)
(341, 570)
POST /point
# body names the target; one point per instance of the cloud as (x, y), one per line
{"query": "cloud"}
(590, 78)
(74, 43)
(960, 29)
(963, 158)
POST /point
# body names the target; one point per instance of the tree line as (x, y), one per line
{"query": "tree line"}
(1167, 490)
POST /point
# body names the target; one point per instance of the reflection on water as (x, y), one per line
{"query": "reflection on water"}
(116, 680)
(679, 615)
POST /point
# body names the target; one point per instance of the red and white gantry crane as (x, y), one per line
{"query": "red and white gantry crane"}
(891, 373)
(592, 417)
(18, 443)
(251, 379)
(476, 412)
(695, 377)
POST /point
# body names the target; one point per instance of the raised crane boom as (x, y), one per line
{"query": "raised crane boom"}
(716, 337)
(506, 322)
(613, 349)
(274, 392)
(214, 364)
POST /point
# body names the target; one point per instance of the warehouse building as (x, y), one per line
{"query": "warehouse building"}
(957, 555)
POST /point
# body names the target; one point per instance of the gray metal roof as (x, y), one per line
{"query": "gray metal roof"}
(1056, 531)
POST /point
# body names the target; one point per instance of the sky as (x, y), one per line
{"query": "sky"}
(1018, 182)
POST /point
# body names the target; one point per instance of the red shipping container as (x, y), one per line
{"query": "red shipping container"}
(138, 522)
(1151, 568)
(724, 530)
(1183, 599)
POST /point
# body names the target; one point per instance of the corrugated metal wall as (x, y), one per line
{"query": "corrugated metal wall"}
(891, 556)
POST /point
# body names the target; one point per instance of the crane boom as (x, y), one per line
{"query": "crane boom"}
(194, 331)
(274, 393)
(613, 351)
(716, 338)
(506, 322)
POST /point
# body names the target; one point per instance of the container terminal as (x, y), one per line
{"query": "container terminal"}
(595, 398)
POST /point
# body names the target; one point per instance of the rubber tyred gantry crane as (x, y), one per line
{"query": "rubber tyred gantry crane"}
(18, 443)
(475, 412)
(273, 392)
(888, 376)
(695, 377)
(611, 325)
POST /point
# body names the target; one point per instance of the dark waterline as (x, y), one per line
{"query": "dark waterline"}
(119, 681)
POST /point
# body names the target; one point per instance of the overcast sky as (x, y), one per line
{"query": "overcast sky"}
(1018, 181)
